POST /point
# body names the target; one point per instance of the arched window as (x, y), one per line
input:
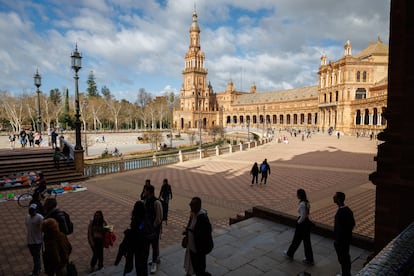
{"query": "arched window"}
(383, 119)
(358, 76)
(316, 118)
(366, 117)
(360, 93)
(358, 117)
(302, 118)
(228, 120)
(336, 96)
(241, 120)
(288, 119)
(295, 119)
(309, 119)
(324, 98)
(330, 97)
(375, 117)
(364, 76)
(254, 119)
(235, 119)
(281, 119)
(274, 119)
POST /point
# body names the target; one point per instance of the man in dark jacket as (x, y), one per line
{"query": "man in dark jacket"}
(200, 241)
(265, 171)
(51, 211)
(344, 223)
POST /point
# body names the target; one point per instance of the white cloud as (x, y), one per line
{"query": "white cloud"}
(133, 44)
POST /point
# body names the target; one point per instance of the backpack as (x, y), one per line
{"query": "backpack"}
(207, 244)
(69, 223)
(263, 167)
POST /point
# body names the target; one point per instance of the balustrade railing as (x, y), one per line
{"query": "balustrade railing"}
(116, 166)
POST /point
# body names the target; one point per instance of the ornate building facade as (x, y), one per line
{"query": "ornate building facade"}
(350, 96)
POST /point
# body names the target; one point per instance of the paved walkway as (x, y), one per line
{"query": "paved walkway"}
(321, 165)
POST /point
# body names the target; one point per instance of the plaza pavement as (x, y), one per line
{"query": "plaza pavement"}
(321, 165)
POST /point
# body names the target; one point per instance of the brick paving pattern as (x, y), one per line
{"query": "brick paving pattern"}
(321, 165)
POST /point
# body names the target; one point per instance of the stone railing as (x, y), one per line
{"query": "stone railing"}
(122, 165)
(397, 258)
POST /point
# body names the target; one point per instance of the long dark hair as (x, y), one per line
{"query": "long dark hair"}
(302, 195)
(99, 221)
(138, 214)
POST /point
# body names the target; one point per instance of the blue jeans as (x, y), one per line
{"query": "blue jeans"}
(35, 252)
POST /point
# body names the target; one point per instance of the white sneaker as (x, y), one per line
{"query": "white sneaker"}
(153, 267)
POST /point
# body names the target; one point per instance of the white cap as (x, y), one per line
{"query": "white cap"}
(33, 206)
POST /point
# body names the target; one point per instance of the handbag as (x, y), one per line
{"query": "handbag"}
(184, 241)
(71, 269)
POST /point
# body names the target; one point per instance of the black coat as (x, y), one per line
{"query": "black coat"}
(203, 234)
(344, 223)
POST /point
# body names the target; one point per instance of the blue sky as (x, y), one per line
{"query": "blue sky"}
(132, 44)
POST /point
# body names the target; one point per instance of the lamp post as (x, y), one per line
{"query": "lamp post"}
(76, 66)
(85, 104)
(38, 82)
(199, 123)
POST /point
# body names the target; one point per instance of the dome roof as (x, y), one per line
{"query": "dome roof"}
(194, 25)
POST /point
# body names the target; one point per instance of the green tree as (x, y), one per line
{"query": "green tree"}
(92, 88)
(106, 93)
(55, 96)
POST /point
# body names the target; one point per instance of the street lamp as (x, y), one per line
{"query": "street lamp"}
(199, 123)
(76, 66)
(38, 82)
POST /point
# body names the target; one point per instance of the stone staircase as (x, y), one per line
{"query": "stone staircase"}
(19, 161)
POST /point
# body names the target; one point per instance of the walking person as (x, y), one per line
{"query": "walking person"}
(37, 138)
(34, 237)
(153, 217)
(147, 183)
(135, 245)
(12, 140)
(30, 137)
(344, 224)
(265, 171)
(302, 231)
(23, 140)
(96, 234)
(54, 136)
(254, 172)
(165, 196)
(56, 248)
(200, 240)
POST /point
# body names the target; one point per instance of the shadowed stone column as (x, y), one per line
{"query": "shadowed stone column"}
(394, 177)
(78, 160)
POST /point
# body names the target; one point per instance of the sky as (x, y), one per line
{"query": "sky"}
(134, 44)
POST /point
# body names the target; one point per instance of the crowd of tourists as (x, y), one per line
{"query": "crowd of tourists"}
(48, 228)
